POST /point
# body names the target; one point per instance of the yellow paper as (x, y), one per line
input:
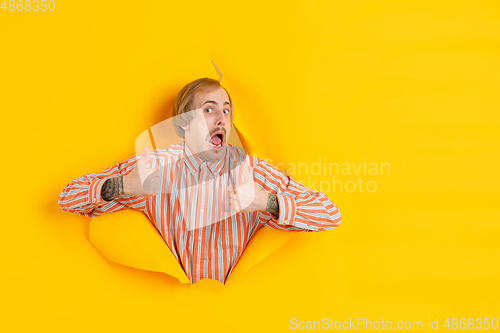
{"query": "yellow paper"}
(411, 83)
(129, 238)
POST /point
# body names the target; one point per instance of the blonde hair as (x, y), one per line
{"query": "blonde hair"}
(184, 102)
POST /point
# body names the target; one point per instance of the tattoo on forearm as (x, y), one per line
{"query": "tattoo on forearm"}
(112, 188)
(272, 205)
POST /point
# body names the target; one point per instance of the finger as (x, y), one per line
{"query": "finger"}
(144, 158)
(232, 190)
(155, 181)
(232, 179)
(234, 205)
(152, 186)
(248, 173)
(232, 200)
(152, 177)
(247, 170)
(237, 203)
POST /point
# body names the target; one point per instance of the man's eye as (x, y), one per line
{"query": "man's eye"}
(226, 111)
(207, 110)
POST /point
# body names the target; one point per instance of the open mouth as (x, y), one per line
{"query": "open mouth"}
(217, 139)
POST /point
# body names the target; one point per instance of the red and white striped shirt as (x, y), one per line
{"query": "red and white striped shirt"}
(192, 211)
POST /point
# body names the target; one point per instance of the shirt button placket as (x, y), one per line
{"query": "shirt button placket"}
(203, 191)
(198, 264)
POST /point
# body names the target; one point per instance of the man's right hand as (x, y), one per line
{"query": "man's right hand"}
(143, 181)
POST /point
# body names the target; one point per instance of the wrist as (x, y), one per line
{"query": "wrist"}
(272, 205)
(112, 189)
(264, 196)
(125, 184)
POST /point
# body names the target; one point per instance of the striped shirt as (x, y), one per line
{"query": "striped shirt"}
(192, 210)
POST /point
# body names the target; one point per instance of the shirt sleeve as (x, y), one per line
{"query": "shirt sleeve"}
(83, 195)
(301, 209)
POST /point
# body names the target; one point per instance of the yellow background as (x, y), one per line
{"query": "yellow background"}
(410, 83)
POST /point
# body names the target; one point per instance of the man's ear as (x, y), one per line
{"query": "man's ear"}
(185, 128)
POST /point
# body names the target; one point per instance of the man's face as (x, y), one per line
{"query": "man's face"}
(206, 135)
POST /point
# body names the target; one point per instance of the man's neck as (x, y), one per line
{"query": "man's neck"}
(207, 155)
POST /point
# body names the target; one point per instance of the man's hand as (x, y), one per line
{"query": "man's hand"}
(142, 181)
(247, 197)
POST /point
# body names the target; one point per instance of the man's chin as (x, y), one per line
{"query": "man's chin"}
(213, 154)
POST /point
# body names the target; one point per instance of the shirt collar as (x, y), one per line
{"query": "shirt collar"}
(194, 163)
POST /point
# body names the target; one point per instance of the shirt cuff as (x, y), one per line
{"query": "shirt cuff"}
(288, 209)
(95, 192)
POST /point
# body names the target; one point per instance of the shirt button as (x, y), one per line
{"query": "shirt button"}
(193, 171)
(199, 238)
(201, 210)
(198, 265)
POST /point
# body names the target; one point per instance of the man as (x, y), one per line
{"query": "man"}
(207, 198)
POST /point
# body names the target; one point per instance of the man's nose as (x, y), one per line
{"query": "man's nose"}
(220, 120)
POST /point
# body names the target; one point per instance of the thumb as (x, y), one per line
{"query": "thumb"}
(247, 171)
(144, 159)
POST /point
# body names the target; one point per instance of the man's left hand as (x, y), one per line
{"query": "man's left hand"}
(247, 197)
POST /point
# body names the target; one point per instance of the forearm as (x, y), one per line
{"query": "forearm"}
(83, 195)
(112, 188)
(272, 205)
(265, 201)
(90, 194)
(299, 207)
